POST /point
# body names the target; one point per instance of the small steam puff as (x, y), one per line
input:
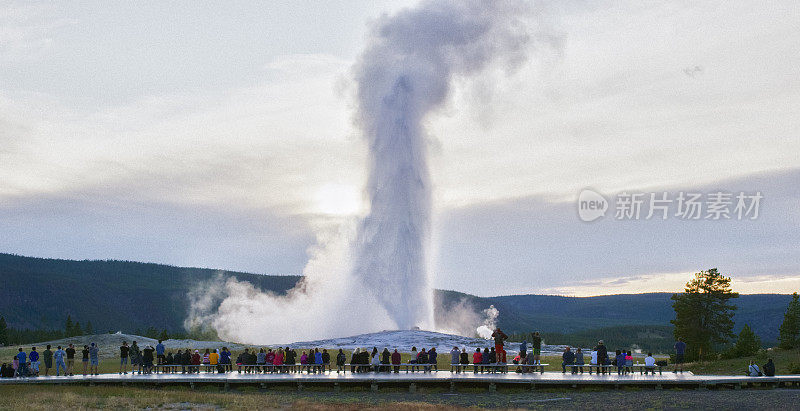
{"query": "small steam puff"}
(376, 277)
(489, 323)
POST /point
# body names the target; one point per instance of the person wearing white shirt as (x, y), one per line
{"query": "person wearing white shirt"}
(753, 370)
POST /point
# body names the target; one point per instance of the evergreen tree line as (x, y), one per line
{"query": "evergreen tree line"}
(704, 320)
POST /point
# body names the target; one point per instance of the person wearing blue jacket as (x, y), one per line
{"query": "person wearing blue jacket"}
(620, 362)
(160, 352)
(22, 371)
(33, 357)
(432, 359)
(317, 360)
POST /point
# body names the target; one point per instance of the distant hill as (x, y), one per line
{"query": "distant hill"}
(129, 296)
(113, 295)
(568, 315)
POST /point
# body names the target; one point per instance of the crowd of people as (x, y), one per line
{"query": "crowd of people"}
(30, 364)
(149, 359)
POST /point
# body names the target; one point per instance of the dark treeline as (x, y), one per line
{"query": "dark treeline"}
(113, 295)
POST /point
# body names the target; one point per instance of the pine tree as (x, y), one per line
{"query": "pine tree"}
(703, 317)
(69, 328)
(748, 342)
(3, 331)
(89, 329)
(164, 336)
(790, 328)
(77, 329)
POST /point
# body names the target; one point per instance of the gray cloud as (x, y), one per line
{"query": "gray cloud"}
(261, 241)
(530, 243)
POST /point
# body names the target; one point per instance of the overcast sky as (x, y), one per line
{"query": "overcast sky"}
(194, 134)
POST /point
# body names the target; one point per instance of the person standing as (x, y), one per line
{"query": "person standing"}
(135, 355)
(602, 356)
(160, 352)
(94, 358)
(33, 357)
(47, 356)
(680, 351)
(499, 338)
(85, 359)
(70, 351)
(536, 346)
(15, 366)
(124, 350)
(59, 356)
(22, 369)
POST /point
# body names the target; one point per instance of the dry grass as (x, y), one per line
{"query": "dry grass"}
(82, 397)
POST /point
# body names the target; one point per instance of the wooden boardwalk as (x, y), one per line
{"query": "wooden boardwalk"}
(414, 380)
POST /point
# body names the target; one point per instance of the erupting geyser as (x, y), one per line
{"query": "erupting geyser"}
(403, 75)
(381, 281)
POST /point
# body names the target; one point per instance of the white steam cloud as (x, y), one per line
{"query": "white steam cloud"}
(378, 278)
(486, 329)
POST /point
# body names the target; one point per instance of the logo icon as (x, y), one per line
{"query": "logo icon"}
(591, 205)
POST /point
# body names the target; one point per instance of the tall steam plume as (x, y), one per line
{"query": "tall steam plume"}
(405, 74)
(381, 281)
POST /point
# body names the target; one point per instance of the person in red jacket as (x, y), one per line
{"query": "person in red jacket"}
(396, 360)
(477, 359)
(196, 360)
